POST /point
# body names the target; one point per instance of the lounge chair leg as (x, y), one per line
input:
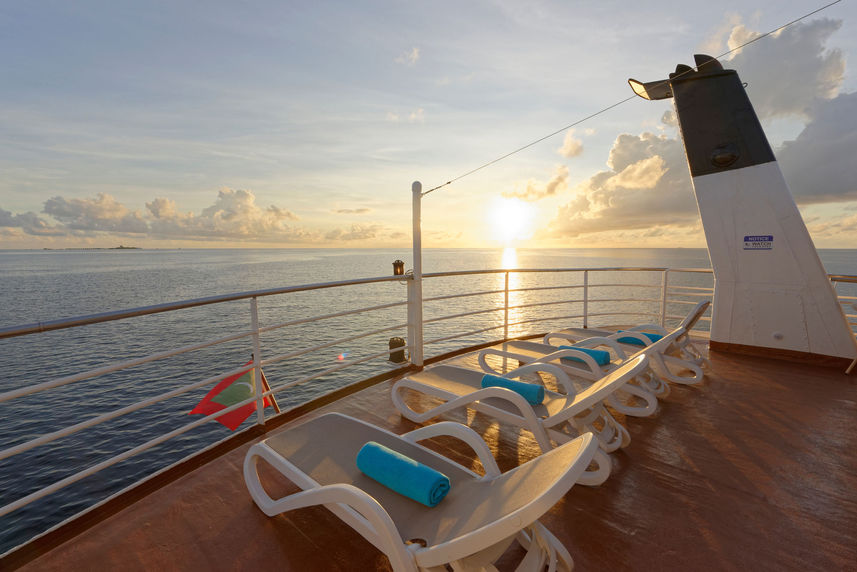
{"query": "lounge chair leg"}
(689, 352)
(544, 550)
(631, 392)
(594, 477)
(662, 370)
(611, 436)
(651, 381)
(484, 559)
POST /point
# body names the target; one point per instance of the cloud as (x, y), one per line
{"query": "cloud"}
(535, 191)
(416, 116)
(29, 223)
(362, 210)
(643, 174)
(813, 72)
(356, 232)
(571, 147)
(834, 227)
(819, 164)
(234, 215)
(101, 213)
(441, 236)
(647, 186)
(714, 44)
(409, 58)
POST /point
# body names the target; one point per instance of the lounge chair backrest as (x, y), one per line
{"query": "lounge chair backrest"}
(659, 346)
(693, 317)
(629, 369)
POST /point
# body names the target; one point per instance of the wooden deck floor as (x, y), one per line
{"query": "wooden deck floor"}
(756, 468)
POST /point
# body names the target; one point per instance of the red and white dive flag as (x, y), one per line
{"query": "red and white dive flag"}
(231, 390)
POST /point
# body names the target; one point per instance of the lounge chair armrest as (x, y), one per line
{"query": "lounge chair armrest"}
(592, 366)
(639, 336)
(483, 362)
(560, 336)
(654, 328)
(462, 433)
(367, 516)
(596, 341)
(340, 493)
(353, 505)
(562, 378)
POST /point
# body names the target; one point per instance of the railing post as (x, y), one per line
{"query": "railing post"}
(412, 319)
(506, 310)
(586, 298)
(257, 361)
(664, 297)
(415, 290)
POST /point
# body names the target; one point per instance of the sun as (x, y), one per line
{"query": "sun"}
(511, 220)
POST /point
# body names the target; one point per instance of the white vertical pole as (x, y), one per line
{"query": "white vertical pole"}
(416, 304)
(257, 361)
(586, 298)
(506, 310)
(664, 298)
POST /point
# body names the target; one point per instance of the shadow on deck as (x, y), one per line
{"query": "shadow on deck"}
(754, 468)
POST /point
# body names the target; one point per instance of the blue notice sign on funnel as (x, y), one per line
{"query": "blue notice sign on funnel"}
(759, 242)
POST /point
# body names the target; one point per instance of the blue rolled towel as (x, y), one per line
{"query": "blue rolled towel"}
(402, 474)
(601, 357)
(635, 341)
(533, 393)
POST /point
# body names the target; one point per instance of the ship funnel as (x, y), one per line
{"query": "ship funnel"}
(706, 63)
(772, 294)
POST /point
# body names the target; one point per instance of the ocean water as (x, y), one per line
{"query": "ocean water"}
(47, 285)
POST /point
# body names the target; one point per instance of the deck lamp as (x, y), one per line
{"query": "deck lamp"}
(398, 268)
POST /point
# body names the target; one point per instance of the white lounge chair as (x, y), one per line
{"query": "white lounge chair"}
(557, 419)
(469, 529)
(638, 398)
(678, 350)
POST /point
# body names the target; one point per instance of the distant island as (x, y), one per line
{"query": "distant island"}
(120, 247)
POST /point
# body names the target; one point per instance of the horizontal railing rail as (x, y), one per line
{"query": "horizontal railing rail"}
(51, 325)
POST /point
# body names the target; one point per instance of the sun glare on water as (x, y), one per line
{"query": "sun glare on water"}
(510, 258)
(511, 220)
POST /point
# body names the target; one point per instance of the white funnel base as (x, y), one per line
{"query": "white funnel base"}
(771, 290)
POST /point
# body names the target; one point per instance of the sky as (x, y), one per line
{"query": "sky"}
(303, 124)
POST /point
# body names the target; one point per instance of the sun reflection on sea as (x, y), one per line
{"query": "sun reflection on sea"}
(510, 258)
(516, 314)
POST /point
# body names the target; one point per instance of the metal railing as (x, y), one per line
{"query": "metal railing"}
(543, 302)
(253, 335)
(848, 300)
(585, 294)
(494, 305)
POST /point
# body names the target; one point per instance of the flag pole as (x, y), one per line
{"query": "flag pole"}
(266, 387)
